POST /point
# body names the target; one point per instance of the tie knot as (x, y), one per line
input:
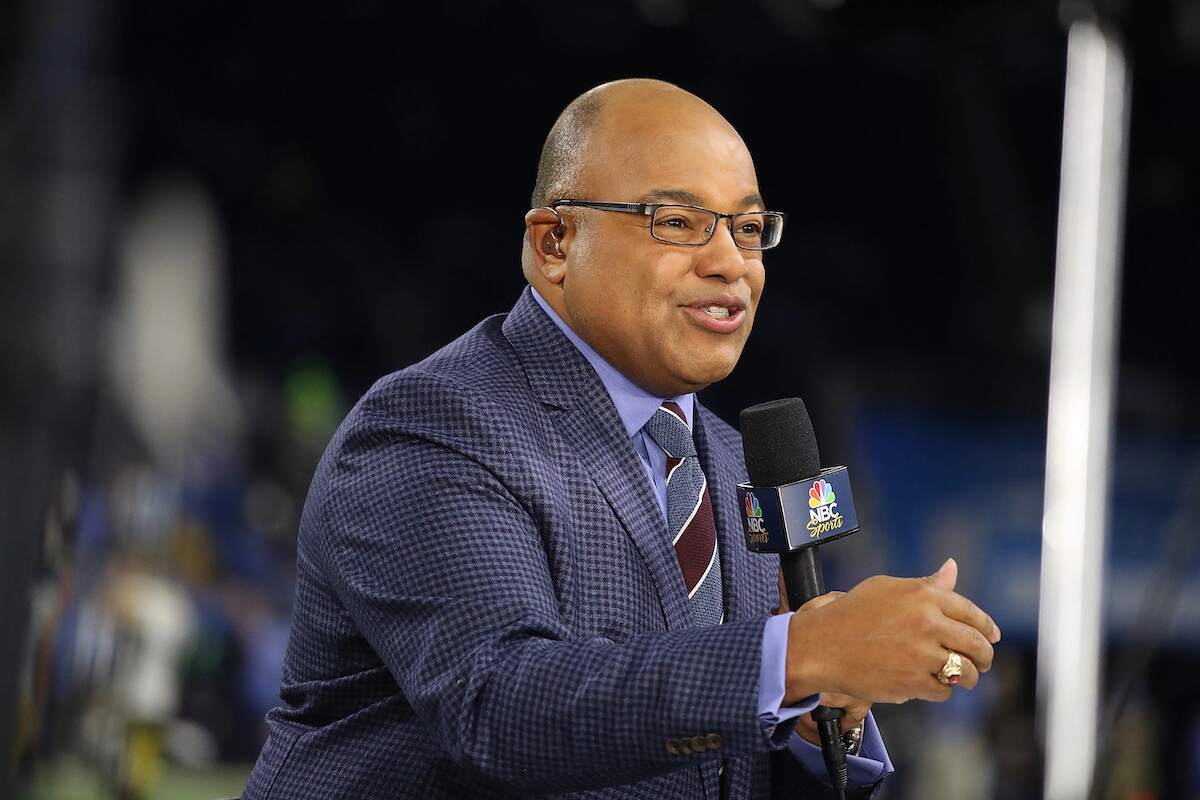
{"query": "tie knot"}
(670, 431)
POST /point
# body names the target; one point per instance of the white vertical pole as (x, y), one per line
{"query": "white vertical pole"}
(1079, 430)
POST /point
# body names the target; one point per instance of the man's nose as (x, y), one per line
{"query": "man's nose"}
(720, 257)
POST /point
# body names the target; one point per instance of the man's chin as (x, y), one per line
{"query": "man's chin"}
(701, 373)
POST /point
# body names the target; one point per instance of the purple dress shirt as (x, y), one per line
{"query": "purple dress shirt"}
(635, 406)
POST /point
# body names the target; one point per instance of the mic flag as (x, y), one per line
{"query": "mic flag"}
(812, 511)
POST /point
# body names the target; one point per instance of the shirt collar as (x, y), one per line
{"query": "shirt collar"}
(635, 406)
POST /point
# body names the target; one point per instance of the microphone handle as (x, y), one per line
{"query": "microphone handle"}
(802, 576)
(803, 580)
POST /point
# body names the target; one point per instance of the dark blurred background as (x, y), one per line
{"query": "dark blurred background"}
(221, 222)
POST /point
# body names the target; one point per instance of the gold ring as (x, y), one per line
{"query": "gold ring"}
(952, 670)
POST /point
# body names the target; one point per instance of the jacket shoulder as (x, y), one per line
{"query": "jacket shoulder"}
(479, 368)
(470, 398)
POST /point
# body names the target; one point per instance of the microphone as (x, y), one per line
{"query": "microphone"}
(786, 481)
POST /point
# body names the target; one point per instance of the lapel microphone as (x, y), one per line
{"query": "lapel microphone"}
(791, 507)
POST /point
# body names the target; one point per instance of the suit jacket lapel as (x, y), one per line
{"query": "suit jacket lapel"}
(587, 420)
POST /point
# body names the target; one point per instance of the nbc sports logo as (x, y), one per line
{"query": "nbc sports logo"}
(756, 530)
(823, 516)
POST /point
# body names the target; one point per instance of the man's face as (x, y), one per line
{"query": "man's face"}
(673, 319)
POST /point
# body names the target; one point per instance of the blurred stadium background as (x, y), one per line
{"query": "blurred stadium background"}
(220, 222)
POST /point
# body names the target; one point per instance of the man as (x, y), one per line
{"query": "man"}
(521, 569)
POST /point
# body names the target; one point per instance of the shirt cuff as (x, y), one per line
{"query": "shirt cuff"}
(778, 722)
(869, 766)
(872, 762)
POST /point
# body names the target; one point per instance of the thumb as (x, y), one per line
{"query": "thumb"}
(946, 576)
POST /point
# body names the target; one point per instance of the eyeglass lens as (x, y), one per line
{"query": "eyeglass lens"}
(694, 226)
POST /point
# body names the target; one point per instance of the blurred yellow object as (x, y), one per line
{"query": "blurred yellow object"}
(192, 553)
(143, 759)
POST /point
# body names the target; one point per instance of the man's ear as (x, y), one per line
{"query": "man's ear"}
(547, 235)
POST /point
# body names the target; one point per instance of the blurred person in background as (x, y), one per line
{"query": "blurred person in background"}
(155, 634)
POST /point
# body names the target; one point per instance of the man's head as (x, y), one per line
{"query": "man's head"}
(638, 301)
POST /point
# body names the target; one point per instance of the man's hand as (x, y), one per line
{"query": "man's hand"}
(856, 709)
(887, 638)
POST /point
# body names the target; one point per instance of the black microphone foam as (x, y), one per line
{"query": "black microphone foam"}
(779, 443)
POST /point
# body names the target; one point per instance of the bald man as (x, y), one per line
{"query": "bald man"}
(520, 564)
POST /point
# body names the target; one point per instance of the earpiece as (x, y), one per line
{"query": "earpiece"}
(551, 243)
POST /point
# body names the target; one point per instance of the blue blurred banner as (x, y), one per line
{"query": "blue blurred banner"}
(973, 490)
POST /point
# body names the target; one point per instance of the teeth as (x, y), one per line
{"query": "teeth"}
(720, 312)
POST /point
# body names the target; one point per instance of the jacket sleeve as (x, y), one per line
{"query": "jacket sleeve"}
(443, 569)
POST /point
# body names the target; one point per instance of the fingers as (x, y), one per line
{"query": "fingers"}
(838, 700)
(934, 690)
(856, 709)
(970, 675)
(968, 629)
(960, 608)
(969, 678)
(853, 706)
(856, 712)
(816, 602)
(821, 600)
(967, 642)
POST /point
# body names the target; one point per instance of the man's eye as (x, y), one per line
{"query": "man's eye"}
(675, 222)
(753, 228)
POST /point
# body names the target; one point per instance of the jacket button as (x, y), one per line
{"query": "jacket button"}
(699, 744)
(685, 745)
(673, 746)
(714, 741)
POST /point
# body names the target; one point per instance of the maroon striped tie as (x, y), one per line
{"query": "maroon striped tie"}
(689, 514)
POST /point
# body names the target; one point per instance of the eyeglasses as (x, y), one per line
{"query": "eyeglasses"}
(692, 226)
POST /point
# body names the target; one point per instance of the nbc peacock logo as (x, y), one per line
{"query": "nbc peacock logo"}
(756, 529)
(753, 509)
(821, 494)
(823, 516)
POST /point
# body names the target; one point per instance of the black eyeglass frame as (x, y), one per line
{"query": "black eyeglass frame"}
(651, 209)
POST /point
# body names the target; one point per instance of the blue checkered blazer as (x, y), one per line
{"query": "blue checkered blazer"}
(488, 604)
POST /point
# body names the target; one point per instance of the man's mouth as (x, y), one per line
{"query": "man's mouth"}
(719, 314)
